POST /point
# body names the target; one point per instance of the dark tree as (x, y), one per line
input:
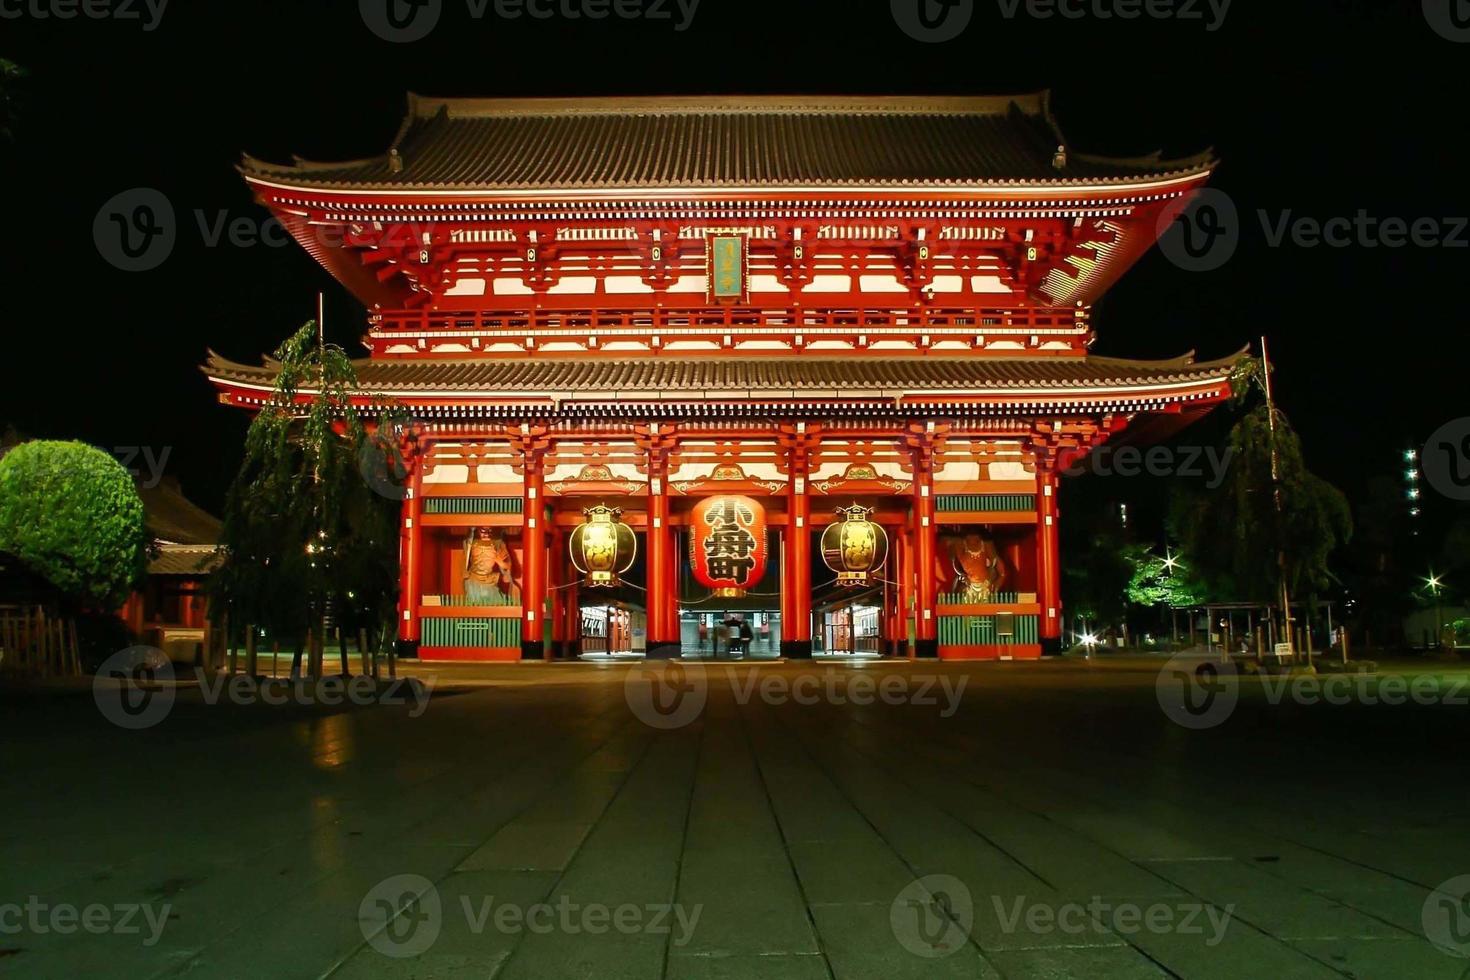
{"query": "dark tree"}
(306, 533)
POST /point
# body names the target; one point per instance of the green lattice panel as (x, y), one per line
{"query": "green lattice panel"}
(464, 600)
(996, 598)
(987, 502)
(471, 633)
(473, 505)
(981, 631)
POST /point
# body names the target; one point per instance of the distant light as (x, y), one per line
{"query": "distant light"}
(1410, 455)
(1433, 581)
(1414, 494)
(1414, 511)
(1089, 639)
(1411, 475)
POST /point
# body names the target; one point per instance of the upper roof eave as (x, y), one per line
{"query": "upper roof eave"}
(1009, 141)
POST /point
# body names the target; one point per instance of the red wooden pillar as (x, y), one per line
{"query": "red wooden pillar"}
(533, 562)
(796, 636)
(893, 596)
(906, 589)
(556, 573)
(926, 543)
(1048, 555)
(410, 559)
(788, 614)
(671, 597)
(572, 611)
(662, 641)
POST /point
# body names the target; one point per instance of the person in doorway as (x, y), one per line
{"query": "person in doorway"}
(746, 635)
(732, 636)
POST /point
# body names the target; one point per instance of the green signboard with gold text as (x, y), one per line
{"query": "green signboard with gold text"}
(726, 267)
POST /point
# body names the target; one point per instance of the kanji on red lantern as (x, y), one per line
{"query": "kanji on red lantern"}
(728, 544)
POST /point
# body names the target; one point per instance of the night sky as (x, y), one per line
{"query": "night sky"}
(1321, 108)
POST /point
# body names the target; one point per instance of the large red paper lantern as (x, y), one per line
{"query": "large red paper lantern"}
(728, 545)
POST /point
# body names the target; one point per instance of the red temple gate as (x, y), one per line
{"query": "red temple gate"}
(820, 303)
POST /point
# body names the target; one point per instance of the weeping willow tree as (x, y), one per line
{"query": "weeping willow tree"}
(1270, 522)
(308, 536)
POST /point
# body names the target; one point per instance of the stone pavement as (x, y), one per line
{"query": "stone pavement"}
(784, 821)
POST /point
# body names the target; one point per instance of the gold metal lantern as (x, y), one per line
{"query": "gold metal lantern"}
(602, 546)
(855, 547)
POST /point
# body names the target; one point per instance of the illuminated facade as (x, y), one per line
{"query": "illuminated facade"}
(816, 304)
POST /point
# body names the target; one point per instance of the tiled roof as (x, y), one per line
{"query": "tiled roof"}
(184, 559)
(170, 516)
(672, 378)
(723, 142)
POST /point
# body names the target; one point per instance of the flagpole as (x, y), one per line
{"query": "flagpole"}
(1276, 493)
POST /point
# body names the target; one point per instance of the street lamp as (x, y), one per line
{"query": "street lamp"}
(1436, 587)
